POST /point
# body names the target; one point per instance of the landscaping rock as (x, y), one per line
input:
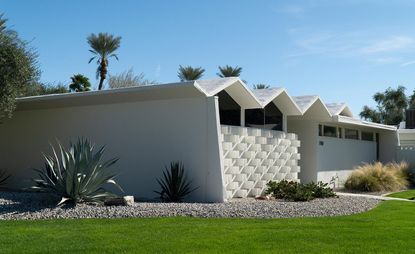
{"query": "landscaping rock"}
(121, 201)
(32, 206)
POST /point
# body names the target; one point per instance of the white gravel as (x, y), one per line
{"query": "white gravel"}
(29, 206)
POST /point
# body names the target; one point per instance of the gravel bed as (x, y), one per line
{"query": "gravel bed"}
(30, 206)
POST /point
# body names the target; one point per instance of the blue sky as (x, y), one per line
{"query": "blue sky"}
(344, 51)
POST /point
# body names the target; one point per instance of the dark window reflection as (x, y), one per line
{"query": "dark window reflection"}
(268, 118)
(229, 110)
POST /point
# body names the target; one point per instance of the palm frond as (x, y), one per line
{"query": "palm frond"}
(229, 71)
(261, 86)
(189, 73)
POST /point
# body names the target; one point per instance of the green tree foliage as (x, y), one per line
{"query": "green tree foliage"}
(129, 79)
(261, 86)
(412, 101)
(38, 89)
(2, 23)
(18, 68)
(103, 47)
(390, 108)
(79, 83)
(189, 73)
(229, 71)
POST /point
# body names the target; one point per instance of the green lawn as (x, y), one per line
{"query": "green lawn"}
(389, 228)
(408, 194)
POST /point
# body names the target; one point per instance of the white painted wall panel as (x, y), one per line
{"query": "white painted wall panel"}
(339, 156)
(145, 135)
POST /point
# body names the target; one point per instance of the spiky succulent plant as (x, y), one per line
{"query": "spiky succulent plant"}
(174, 184)
(77, 174)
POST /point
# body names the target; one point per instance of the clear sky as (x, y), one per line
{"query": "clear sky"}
(344, 51)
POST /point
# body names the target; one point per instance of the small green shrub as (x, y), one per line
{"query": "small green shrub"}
(290, 190)
(174, 184)
(321, 190)
(379, 177)
(77, 175)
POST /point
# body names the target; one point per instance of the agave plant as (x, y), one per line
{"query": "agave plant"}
(4, 176)
(77, 174)
(174, 184)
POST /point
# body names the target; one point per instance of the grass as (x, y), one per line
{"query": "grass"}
(408, 194)
(389, 228)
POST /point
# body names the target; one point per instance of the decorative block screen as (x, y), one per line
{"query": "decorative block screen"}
(252, 157)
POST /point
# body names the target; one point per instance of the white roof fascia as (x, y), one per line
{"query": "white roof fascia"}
(122, 90)
(306, 107)
(235, 87)
(359, 122)
(291, 108)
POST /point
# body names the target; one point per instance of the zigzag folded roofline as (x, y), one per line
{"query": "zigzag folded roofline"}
(339, 109)
(234, 86)
(279, 97)
(307, 102)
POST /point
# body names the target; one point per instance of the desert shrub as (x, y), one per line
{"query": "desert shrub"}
(379, 177)
(174, 184)
(291, 190)
(321, 190)
(77, 174)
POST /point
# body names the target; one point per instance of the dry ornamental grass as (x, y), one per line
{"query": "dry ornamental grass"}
(379, 177)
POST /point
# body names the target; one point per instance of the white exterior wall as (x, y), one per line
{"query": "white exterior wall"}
(337, 157)
(253, 157)
(388, 142)
(307, 134)
(145, 135)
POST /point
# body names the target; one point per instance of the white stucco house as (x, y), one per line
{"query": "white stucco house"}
(232, 140)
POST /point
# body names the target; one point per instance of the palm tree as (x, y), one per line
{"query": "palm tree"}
(229, 71)
(188, 73)
(103, 47)
(261, 86)
(80, 83)
(2, 23)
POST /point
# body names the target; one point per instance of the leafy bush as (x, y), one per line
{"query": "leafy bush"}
(77, 175)
(291, 190)
(174, 184)
(378, 177)
(320, 190)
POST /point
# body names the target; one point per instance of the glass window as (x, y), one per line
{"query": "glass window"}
(229, 110)
(273, 117)
(351, 134)
(320, 130)
(367, 136)
(330, 131)
(254, 118)
(339, 132)
(268, 118)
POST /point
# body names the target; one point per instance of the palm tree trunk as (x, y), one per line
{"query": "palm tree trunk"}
(103, 73)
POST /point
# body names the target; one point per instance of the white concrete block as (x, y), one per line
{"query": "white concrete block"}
(248, 170)
(261, 140)
(241, 194)
(232, 186)
(241, 146)
(227, 146)
(248, 185)
(240, 162)
(241, 178)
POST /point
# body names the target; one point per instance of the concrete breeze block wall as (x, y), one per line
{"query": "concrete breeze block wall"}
(252, 157)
